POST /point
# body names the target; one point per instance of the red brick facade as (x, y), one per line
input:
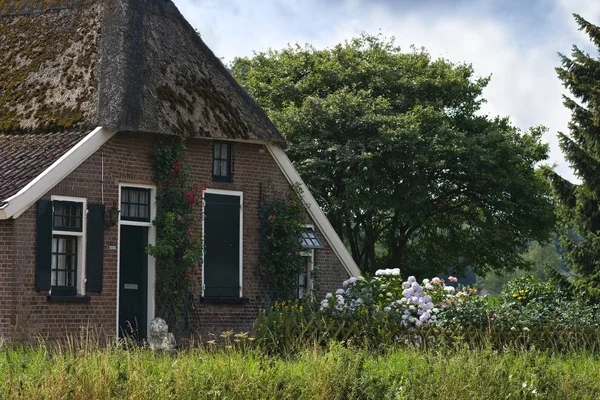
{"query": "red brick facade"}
(126, 159)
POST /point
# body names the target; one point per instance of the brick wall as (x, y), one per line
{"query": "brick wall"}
(7, 299)
(127, 160)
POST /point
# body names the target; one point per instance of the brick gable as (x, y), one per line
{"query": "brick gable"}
(126, 159)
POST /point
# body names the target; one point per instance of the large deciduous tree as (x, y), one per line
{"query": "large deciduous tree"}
(580, 203)
(392, 148)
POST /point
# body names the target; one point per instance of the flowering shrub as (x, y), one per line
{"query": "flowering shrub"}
(384, 309)
(464, 308)
(406, 302)
(178, 247)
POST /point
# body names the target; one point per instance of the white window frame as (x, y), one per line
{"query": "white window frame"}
(241, 251)
(151, 289)
(81, 240)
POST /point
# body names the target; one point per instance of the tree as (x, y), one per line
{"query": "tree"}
(392, 148)
(580, 203)
(544, 258)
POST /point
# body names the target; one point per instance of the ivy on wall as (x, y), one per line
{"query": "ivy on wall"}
(178, 248)
(282, 219)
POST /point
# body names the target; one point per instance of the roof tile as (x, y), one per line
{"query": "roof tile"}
(25, 156)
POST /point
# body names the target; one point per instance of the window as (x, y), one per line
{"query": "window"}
(64, 261)
(135, 204)
(304, 279)
(69, 248)
(310, 242)
(67, 216)
(221, 166)
(67, 245)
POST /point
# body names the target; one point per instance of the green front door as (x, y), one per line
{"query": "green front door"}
(133, 278)
(221, 245)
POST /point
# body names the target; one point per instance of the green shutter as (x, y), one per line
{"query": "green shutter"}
(222, 246)
(95, 247)
(44, 245)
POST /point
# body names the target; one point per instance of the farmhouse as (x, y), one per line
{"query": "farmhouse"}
(87, 90)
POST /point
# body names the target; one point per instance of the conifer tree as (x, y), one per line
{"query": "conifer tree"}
(580, 203)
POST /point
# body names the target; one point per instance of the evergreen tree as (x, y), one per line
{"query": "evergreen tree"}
(580, 203)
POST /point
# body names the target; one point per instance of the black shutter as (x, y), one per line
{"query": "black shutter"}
(95, 247)
(44, 245)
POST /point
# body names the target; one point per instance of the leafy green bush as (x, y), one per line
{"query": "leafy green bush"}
(465, 309)
(528, 302)
(282, 219)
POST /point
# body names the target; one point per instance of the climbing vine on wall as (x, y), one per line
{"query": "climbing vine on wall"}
(282, 221)
(178, 248)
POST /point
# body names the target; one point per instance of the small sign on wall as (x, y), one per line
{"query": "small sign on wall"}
(132, 286)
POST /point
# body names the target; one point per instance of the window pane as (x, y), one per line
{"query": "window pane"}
(70, 245)
(132, 211)
(61, 281)
(133, 196)
(223, 168)
(143, 211)
(216, 168)
(62, 261)
(224, 147)
(62, 244)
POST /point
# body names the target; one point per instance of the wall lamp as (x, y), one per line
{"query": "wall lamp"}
(113, 214)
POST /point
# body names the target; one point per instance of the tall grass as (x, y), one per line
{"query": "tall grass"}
(86, 370)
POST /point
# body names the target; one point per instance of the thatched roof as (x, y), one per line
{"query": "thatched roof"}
(126, 65)
(69, 66)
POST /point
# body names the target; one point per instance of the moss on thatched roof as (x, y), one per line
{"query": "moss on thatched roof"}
(127, 65)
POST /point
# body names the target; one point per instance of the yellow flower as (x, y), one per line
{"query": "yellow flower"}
(515, 295)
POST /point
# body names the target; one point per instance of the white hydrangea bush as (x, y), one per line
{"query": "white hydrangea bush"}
(407, 302)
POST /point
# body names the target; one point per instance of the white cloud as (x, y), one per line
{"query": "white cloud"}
(524, 85)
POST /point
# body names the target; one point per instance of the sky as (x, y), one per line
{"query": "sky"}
(514, 41)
